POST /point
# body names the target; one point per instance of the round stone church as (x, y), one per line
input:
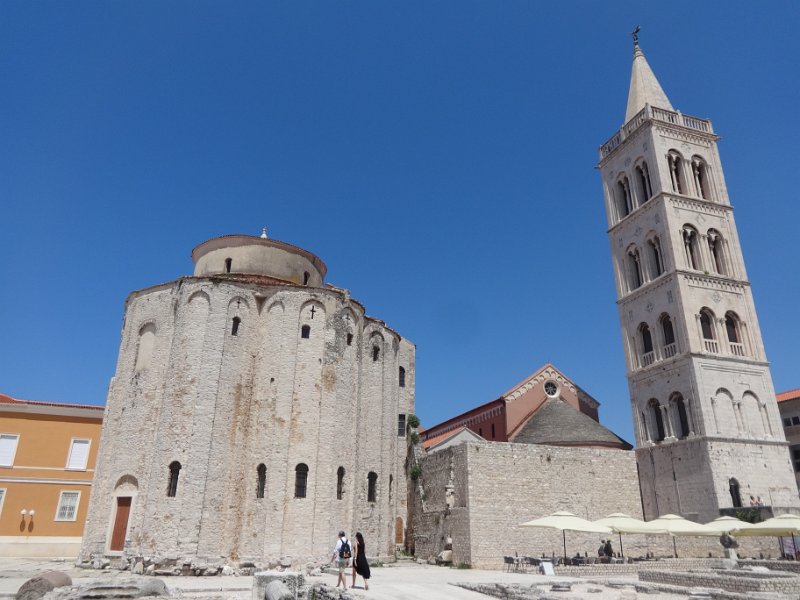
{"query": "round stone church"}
(255, 411)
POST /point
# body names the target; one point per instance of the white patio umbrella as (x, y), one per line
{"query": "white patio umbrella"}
(566, 521)
(621, 523)
(729, 524)
(675, 525)
(776, 526)
(779, 526)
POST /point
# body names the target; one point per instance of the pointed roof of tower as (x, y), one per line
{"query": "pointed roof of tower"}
(645, 88)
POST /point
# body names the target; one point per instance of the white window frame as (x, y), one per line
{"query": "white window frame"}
(72, 447)
(3, 493)
(16, 446)
(61, 499)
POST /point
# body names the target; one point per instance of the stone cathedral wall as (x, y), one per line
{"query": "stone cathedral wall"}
(187, 390)
(497, 486)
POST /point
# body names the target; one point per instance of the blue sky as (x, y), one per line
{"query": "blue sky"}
(438, 156)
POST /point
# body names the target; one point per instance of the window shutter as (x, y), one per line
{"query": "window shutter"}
(67, 507)
(8, 448)
(78, 454)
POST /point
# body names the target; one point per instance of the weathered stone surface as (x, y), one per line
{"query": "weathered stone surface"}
(277, 590)
(38, 586)
(194, 393)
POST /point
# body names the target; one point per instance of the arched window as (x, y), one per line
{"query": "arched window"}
(372, 485)
(648, 356)
(305, 332)
(733, 329)
(306, 276)
(376, 353)
(402, 377)
(643, 177)
(147, 342)
(656, 259)
(683, 418)
(228, 264)
(261, 471)
(349, 339)
(670, 347)
(691, 247)
(622, 191)
(645, 432)
(635, 276)
(300, 480)
(235, 326)
(174, 471)
(736, 497)
(658, 419)
(677, 175)
(340, 483)
(708, 330)
(701, 180)
(717, 251)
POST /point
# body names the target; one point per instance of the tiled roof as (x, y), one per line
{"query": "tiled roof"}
(558, 423)
(5, 399)
(790, 395)
(441, 437)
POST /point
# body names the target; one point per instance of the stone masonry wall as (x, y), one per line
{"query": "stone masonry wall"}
(221, 404)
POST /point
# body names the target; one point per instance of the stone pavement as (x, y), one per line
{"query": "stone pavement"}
(405, 581)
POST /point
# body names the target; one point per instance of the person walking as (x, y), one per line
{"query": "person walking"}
(341, 554)
(360, 562)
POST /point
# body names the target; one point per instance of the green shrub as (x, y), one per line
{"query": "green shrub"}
(463, 566)
(415, 473)
(413, 438)
(412, 421)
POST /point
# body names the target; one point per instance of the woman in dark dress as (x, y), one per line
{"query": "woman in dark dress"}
(360, 563)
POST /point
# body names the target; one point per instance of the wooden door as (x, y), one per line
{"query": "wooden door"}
(398, 530)
(120, 523)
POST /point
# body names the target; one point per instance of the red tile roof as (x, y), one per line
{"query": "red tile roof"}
(5, 399)
(441, 437)
(790, 395)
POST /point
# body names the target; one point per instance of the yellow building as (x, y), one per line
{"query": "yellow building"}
(47, 456)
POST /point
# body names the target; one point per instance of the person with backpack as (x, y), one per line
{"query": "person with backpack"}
(342, 554)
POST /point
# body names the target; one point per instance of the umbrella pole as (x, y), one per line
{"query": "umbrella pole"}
(564, 533)
(794, 547)
(621, 553)
(780, 544)
(674, 547)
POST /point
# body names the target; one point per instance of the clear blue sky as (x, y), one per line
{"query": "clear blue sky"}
(438, 156)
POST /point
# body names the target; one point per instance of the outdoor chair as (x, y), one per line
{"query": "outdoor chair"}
(508, 562)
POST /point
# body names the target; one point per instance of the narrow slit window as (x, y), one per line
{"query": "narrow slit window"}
(228, 264)
(349, 339)
(340, 483)
(306, 277)
(235, 326)
(261, 471)
(174, 471)
(372, 486)
(300, 480)
(376, 353)
(305, 331)
(401, 425)
(402, 377)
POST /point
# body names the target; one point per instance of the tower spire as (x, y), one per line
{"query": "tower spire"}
(645, 88)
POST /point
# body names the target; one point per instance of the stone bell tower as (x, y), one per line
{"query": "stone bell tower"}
(708, 431)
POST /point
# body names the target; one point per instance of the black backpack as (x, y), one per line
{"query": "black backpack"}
(344, 549)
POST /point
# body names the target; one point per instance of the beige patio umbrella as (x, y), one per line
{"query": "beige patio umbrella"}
(676, 525)
(729, 524)
(776, 526)
(621, 523)
(779, 526)
(566, 521)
